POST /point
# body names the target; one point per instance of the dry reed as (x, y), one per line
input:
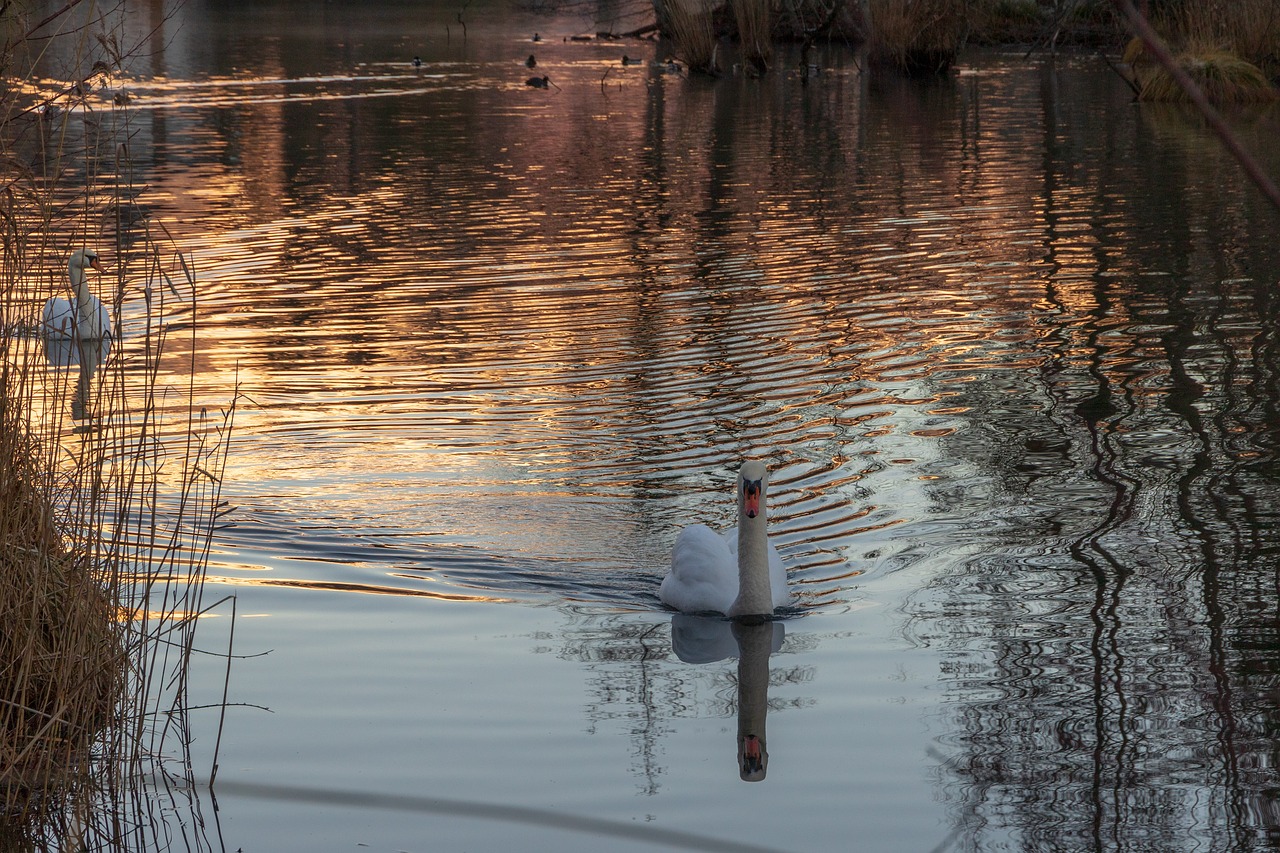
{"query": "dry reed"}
(755, 30)
(1231, 50)
(106, 513)
(916, 36)
(692, 29)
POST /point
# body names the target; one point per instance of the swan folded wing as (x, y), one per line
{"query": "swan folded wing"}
(60, 319)
(57, 317)
(704, 572)
(95, 321)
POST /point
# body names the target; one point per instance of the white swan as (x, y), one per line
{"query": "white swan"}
(738, 573)
(83, 316)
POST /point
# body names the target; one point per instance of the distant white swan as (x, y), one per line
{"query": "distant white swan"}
(738, 573)
(83, 316)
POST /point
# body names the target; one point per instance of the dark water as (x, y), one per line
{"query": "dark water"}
(1007, 340)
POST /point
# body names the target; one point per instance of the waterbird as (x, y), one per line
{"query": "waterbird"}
(537, 37)
(530, 62)
(83, 316)
(627, 60)
(417, 62)
(738, 573)
(538, 82)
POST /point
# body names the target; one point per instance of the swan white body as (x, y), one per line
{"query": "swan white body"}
(738, 573)
(83, 316)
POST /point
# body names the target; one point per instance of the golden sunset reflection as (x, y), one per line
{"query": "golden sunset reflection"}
(361, 588)
(439, 312)
(145, 615)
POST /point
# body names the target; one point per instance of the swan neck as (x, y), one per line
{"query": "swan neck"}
(78, 284)
(754, 594)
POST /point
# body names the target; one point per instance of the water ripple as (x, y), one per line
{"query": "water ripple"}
(539, 347)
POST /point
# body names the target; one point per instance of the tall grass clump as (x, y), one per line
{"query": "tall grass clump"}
(110, 475)
(915, 36)
(755, 32)
(62, 656)
(1230, 50)
(692, 29)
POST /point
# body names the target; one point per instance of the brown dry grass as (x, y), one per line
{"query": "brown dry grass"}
(1230, 49)
(755, 33)
(1250, 29)
(61, 651)
(693, 31)
(62, 654)
(916, 36)
(93, 531)
(1224, 78)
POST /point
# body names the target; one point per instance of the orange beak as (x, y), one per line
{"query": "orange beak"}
(751, 497)
(95, 263)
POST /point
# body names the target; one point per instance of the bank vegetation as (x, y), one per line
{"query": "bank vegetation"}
(1231, 50)
(1231, 47)
(109, 475)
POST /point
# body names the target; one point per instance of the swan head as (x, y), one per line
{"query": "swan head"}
(753, 476)
(82, 258)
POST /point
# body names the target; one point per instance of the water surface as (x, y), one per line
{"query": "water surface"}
(1006, 340)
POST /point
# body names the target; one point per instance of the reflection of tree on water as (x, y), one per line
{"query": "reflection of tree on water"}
(1113, 667)
(638, 678)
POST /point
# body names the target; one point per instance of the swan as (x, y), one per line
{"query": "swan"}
(738, 573)
(83, 316)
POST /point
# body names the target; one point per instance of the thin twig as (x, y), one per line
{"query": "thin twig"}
(58, 14)
(1129, 81)
(226, 686)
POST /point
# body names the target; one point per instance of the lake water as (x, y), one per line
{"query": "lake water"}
(1007, 341)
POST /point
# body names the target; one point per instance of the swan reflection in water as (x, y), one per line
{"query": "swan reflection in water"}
(697, 639)
(87, 354)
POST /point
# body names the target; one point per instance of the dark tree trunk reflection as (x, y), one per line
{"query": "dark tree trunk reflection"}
(1114, 671)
